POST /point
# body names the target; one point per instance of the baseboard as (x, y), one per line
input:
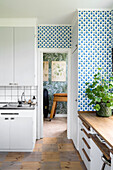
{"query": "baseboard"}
(59, 115)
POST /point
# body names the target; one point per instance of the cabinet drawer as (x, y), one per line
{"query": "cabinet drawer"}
(86, 126)
(86, 159)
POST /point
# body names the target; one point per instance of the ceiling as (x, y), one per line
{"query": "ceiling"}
(49, 11)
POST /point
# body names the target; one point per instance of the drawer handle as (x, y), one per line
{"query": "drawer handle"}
(87, 157)
(87, 126)
(9, 113)
(108, 162)
(6, 118)
(86, 143)
(85, 133)
(12, 118)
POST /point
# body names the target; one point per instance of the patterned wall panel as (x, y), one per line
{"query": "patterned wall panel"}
(54, 36)
(94, 49)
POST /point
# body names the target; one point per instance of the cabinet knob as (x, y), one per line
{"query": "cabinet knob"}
(6, 118)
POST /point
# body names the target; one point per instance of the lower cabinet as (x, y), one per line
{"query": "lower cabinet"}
(4, 133)
(17, 133)
(96, 154)
(89, 151)
(21, 133)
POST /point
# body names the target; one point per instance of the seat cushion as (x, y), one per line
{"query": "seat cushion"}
(60, 95)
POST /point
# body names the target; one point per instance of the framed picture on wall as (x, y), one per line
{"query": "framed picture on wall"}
(58, 70)
(45, 70)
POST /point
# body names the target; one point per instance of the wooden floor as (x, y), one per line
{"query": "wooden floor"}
(50, 153)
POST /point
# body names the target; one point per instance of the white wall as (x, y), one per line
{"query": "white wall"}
(18, 22)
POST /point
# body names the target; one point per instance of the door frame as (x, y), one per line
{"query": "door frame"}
(40, 89)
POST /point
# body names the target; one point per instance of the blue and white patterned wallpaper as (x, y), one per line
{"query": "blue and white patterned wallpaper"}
(94, 49)
(54, 36)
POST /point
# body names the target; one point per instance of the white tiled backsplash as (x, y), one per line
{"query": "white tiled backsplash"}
(13, 93)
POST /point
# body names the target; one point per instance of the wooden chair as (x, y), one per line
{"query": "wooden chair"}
(58, 97)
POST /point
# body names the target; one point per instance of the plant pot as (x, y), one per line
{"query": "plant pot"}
(104, 111)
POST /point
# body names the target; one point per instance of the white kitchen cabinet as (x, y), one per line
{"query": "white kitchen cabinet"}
(6, 55)
(96, 157)
(4, 133)
(21, 133)
(85, 144)
(17, 50)
(24, 55)
(88, 149)
(17, 130)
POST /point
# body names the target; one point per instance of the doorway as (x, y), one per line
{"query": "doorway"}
(55, 80)
(40, 90)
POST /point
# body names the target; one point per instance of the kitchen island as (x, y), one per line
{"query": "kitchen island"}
(17, 129)
(96, 140)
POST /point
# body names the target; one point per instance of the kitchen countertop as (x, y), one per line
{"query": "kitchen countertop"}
(102, 125)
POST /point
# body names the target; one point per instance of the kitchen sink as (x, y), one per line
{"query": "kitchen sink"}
(15, 105)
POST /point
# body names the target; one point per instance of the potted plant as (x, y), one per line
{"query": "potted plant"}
(100, 93)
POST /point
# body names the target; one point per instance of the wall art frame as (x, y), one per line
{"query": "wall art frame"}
(45, 70)
(58, 71)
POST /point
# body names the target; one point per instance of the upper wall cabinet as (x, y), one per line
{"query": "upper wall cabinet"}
(6, 55)
(17, 48)
(24, 55)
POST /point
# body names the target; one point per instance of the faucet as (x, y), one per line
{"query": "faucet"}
(23, 95)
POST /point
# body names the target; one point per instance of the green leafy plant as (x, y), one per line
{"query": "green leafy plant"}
(100, 91)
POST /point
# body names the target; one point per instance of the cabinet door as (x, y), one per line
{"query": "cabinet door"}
(21, 133)
(96, 162)
(24, 55)
(4, 133)
(6, 55)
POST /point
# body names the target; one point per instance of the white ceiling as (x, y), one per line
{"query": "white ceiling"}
(49, 11)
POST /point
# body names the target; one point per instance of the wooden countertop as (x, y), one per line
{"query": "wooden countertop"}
(102, 125)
